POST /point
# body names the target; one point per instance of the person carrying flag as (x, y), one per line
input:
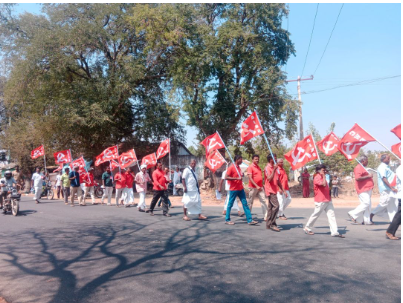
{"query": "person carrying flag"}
(74, 177)
(128, 192)
(283, 195)
(107, 183)
(160, 182)
(141, 180)
(89, 185)
(256, 189)
(120, 185)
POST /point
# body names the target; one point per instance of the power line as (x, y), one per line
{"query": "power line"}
(329, 39)
(310, 40)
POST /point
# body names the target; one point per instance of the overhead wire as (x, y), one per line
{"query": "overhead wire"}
(310, 40)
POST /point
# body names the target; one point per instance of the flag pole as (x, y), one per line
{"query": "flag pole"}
(169, 156)
(314, 144)
(44, 161)
(380, 143)
(267, 141)
(137, 160)
(362, 165)
(117, 148)
(232, 160)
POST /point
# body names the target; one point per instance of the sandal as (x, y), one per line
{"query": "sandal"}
(253, 223)
(308, 232)
(229, 223)
(352, 219)
(338, 236)
(186, 219)
(202, 218)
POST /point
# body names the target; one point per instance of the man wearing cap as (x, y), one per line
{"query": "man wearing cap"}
(75, 188)
(5, 183)
(141, 180)
(89, 185)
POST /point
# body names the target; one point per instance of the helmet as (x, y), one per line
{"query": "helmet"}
(7, 174)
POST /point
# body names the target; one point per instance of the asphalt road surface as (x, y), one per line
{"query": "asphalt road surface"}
(57, 253)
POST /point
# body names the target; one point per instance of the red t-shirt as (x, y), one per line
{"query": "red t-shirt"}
(256, 173)
(89, 180)
(283, 178)
(120, 180)
(81, 178)
(321, 193)
(232, 173)
(270, 187)
(362, 185)
(129, 180)
(159, 176)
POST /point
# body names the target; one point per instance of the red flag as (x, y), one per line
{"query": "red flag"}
(149, 160)
(250, 128)
(38, 152)
(351, 143)
(329, 144)
(163, 149)
(303, 152)
(114, 164)
(59, 168)
(107, 155)
(397, 149)
(63, 156)
(212, 142)
(128, 158)
(78, 162)
(214, 161)
(398, 131)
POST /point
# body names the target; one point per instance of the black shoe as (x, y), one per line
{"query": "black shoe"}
(167, 215)
(141, 210)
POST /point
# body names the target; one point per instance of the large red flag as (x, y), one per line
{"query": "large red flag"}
(38, 152)
(397, 149)
(113, 164)
(353, 140)
(78, 162)
(303, 152)
(163, 149)
(63, 156)
(212, 142)
(59, 168)
(107, 155)
(329, 144)
(250, 128)
(398, 131)
(127, 159)
(149, 160)
(214, 161)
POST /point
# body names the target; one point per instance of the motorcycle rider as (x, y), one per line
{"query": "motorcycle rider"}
(6, 182)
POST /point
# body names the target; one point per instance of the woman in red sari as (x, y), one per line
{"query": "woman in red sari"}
(305, 183)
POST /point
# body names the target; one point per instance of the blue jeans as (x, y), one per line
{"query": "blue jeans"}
(241, 195)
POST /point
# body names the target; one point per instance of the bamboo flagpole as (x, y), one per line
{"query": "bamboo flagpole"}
(267, 141)
(232, 160)
(314, 144)
(169, 163)
(137, 160)
(117, 148)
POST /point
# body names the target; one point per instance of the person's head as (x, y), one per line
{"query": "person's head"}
(38, 170)
(67, 170)
(321, 169)
(108, 169)
(17, 168)
(166, 170)
(159, 164)
(143, 168)
(238, 159)
(255, 159)
(60, 172)
(193, 163)
(91, 170)
(177, 168)
(305, 170)
(8, 174)
(280, 162)
(271, 158)
(385, 158)
(76, 168)
(363, 160)
(334, 177)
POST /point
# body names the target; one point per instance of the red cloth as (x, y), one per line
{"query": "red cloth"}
(397, 131)
(81, 178)
(214, 161)
(329, 144)
(89, 180)
(232, 173)
(283, 178)
(363, 185)
(321, 193)
(38, 152)
(212, 142)
(303, 152)
(63, 156)
(250, 128)
(107, 155)
(163, 149)
(256, 173)
(120, 180)
(353, 140)
(159, 177)
(397, 149)
(129, 179)
(270, 187)
(305, 185)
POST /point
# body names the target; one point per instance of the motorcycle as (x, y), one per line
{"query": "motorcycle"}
(11, 202)
(179, 189)
(47, 190)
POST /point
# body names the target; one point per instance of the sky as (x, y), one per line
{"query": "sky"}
(365, 45)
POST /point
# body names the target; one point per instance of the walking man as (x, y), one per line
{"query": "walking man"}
(236, 190)
(120, 185)
(159, 188)
(387, 203)
(323, 202)
(142, 178)
(128, 192)
(235, 206)
(363, 185)
(283, 195)
(191, 193)
(36, 182)
(58, 184)
(107, 183)
(66, 185)
(390, 232)
(254, 174)
(89, 185)
(75, 188)
(177, 179)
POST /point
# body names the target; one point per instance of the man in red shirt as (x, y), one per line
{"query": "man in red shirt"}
(128, 192)
(363, 185)
(234, 177)
(159, 187)
(120, 185)
(323, 202)
(88, 179)
(283, 195)
(271, 187)
(256, 185)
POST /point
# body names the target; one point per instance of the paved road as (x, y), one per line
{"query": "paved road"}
(57, 253)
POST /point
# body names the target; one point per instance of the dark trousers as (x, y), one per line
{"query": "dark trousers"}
(59, 191)
(272, 210)
(160, 194)
(169, 202)
(66, 194)
(395, 222)
(335, 192)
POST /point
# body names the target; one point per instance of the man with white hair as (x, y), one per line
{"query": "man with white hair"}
(36, 182)
(141, 180)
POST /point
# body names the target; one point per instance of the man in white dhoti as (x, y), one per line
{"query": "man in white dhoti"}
(387, 206)
(191, 193)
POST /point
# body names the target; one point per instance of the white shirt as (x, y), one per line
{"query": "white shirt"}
(37, 179)
(190, 181)
(223, 178)
(177, 176)
(58, 180)
(399, 179)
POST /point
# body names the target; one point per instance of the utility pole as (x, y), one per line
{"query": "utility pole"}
(301, 127)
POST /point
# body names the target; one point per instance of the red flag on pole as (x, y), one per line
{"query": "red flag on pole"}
(127, 159)
(302, 153)
(59, 168)
(397, 149)
(107, 155)
(78, 162)
(38, 152)
(214, 161)
(398, 131)
(113, 164)
(163, 149)
(250, 128)
(212, 142)
(353, 140)
(328, 145)
(149, 160)
(63, 156)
